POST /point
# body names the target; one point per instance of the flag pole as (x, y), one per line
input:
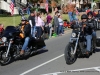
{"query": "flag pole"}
(12, 11)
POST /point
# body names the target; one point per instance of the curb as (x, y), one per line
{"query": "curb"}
(65, 32)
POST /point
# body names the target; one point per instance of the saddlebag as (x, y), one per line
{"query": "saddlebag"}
(37, 42)
(98, 42)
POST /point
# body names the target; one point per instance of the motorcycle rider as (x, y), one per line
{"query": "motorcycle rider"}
(97, 18)
(93, 22)
(98, 15)
(25, 28)
(87, 31)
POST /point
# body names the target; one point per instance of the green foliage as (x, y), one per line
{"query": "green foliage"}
(96, 0)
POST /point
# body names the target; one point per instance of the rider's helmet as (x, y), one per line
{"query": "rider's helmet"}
(84, 16)
(24, 18)
(90, 14)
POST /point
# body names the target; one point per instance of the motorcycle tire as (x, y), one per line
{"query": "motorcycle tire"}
(3, 59)
(70, 59)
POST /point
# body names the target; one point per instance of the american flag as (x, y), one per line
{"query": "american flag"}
(12, 7)
(46, 6)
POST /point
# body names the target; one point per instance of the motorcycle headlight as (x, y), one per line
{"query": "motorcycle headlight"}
(4, 39)
(73, 34)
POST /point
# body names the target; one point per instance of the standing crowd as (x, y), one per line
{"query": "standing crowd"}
(45, 26)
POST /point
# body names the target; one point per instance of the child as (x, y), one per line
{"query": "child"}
(60, 27)
(1, 29)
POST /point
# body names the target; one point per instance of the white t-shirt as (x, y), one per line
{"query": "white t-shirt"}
(60, 21)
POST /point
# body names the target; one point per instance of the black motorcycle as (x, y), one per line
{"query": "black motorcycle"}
(76, 47)
(11, 44)
(98, 23)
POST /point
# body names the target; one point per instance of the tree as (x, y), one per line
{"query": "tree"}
(96, 0)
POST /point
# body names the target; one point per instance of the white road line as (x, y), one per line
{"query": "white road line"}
(41, 65)
(56, 73)
(97, 69)
(77, 70)
(86, 69)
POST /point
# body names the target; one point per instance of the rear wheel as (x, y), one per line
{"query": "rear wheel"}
(69, 57)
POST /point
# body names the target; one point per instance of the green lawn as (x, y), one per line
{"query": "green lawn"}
(65, 16)
(15, 20)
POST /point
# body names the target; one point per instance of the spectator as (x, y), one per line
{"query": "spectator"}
(21, 12)
(94, 14)
(56, 23)
(32, 23)
(29, 6)
(70, 9)
(39, 25)
(98, 15)
(28, 10)
(60, 30)
(1, 29)
(88, 10)
(74, 14)
(49, 19)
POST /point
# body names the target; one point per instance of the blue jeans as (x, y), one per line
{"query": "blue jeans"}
(28, 11)
(70, 16)
(25, 45)
(60, 30)
(39, 32)
(88, 38)
(94, 34)
(75, 17)
(33, 30)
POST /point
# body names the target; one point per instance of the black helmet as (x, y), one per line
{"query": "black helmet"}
(24, 18)
(90, 13)
(84, 16)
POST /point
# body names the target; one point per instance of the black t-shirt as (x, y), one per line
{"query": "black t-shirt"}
(32, 18)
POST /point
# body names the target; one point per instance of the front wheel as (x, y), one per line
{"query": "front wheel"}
(3, 59)
(69, 57)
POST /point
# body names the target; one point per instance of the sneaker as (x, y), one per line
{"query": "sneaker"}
(44, 48)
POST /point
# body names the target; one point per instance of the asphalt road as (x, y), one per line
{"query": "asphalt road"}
(52, 62)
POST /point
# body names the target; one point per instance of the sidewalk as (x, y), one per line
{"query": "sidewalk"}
(65, 32)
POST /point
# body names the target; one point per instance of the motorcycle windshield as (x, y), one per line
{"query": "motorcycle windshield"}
(9, 31)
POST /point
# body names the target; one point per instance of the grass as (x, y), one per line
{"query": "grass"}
(12, 21)
(65, 16)
(15, 20)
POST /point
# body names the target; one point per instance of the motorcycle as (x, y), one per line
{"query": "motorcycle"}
(11, 44)
(98, 23)
(76, 46)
